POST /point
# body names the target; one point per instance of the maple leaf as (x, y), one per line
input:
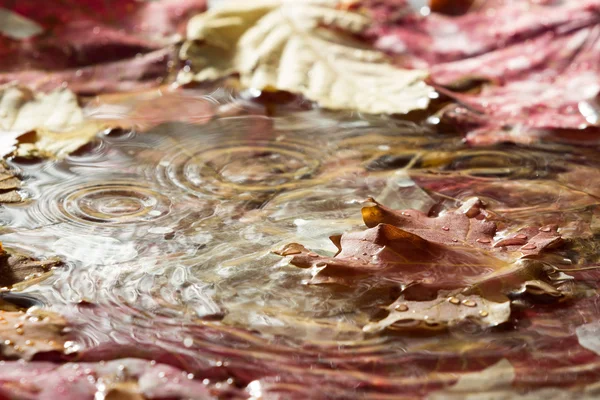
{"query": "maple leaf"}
(301, 48)
(455, 252)
(44, 125)
(466, 226)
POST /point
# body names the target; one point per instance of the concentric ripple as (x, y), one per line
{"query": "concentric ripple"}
(114, 204)
(104, 204)
(239, 166)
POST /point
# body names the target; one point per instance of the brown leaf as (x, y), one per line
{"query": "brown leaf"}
(442, 312)
(466, 226)
(15, 268)
(9, 184)
(400, 257)
(25, 334)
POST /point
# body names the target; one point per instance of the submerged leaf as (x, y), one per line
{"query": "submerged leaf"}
(301, 48)
(482, 384)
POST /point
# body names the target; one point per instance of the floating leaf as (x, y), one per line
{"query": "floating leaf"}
(442, 312)
(9, 184)
(15, 267)
(300, 47)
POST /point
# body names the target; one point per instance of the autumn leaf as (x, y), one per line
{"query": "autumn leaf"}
(441, 313)
(539, 63)
(25, 334)
(9, 185)
(45, 125)
(300, 47)
(456, 249)
(454, 257)
(96, 46)
(466, 226)
(16, 267)
(401, 257)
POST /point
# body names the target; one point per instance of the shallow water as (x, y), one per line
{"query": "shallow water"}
(168, 231)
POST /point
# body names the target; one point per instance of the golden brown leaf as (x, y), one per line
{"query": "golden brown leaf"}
(24, 334)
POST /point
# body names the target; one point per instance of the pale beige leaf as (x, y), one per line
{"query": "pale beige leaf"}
(43, 125)
(442, 312)
(24, 110)
(291, 46)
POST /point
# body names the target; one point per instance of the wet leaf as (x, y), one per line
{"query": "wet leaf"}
(466, 226)
(440, 313)
(456, 249)
(15, 267)
(395, 256)
(47, 125)
(124, 379)
(25, 334)
(301, 48)
(540, 62)
(9, 185)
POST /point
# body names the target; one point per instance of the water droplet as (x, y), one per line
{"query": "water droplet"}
(545, 229)
(469, 303)
(405, 214)
(483, 313)
(483, 240)
(188, 342)
(521, 236)
(311, 254)
(529, 246)
(401, 307)
(453, 300)
(445, 228)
